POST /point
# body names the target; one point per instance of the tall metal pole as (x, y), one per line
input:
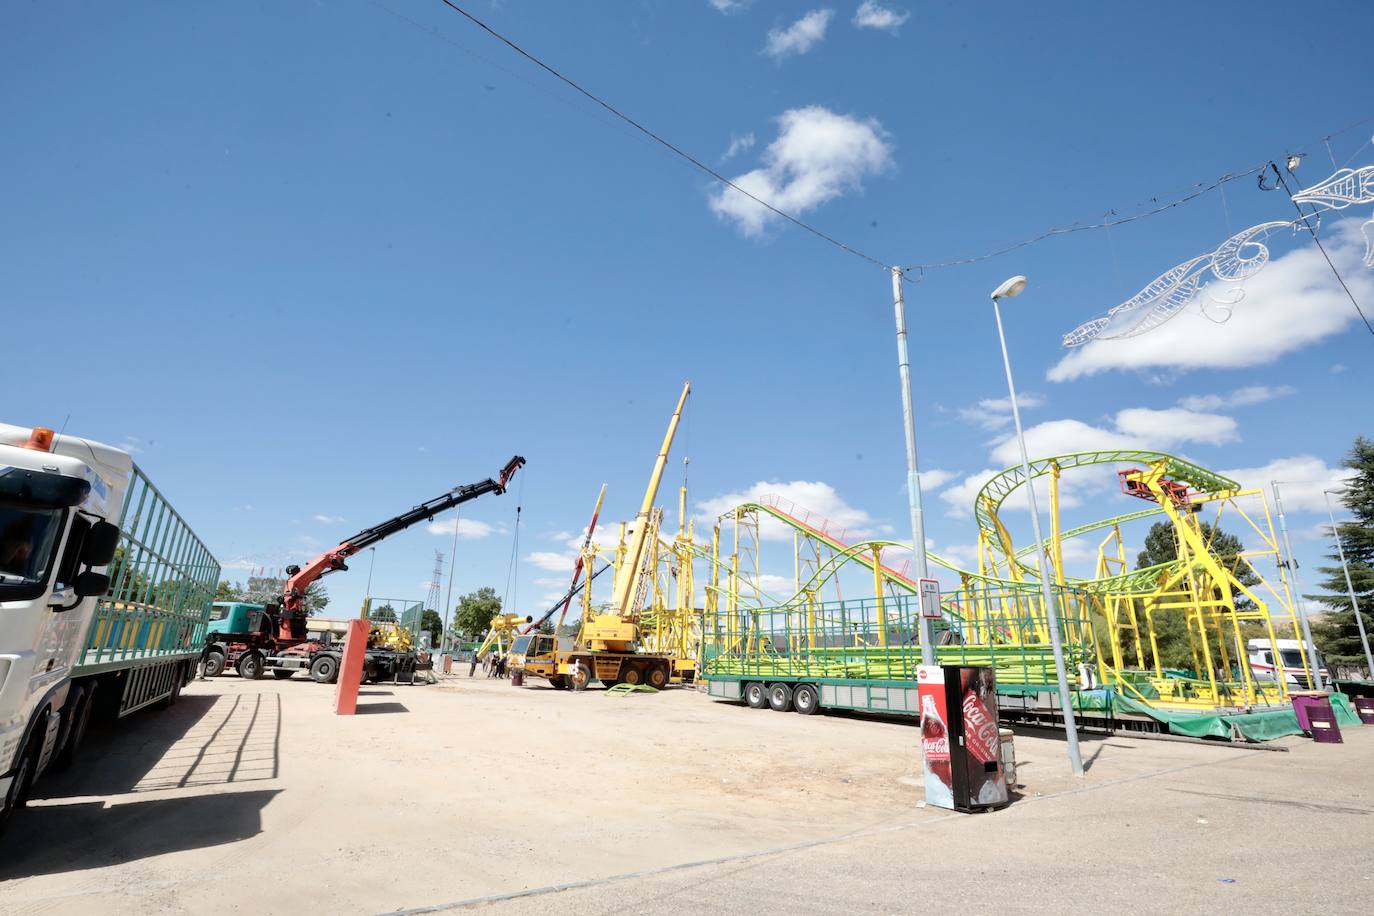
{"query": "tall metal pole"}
(1350, 586)
(452, 566)
(913, 473)
(1297, 597)
(1051, 612)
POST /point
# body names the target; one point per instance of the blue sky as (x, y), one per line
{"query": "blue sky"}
(320, 261)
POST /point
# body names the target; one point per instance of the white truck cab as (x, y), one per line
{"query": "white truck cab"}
(60, 500)
(1291, 665)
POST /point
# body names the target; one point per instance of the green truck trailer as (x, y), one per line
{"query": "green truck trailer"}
(862, 654)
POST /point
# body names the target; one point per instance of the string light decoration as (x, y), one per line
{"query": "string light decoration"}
(1234, 261)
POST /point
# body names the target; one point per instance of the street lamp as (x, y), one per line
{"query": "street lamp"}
(1007, 290)
(1350, 586)
(913, 473)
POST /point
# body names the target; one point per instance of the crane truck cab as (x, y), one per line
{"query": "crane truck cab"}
(1292, 664)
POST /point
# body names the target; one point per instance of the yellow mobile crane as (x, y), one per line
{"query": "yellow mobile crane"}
(608, 644)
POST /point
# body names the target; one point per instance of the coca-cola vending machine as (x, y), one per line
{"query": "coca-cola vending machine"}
(959, 737)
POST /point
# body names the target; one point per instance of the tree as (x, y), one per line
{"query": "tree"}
(1337, 635)
(267, 590)
(431, 621)
(228, 591)
(474, 612)
(383, 612)
(1170, 626)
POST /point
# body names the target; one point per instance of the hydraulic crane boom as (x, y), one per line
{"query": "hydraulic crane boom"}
(333, 560)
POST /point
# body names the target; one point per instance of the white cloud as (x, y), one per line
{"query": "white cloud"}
(328, 519)
(738, 145)
(1241, 397)
(872, 16)
(1302, 478)
(934, 479)
(468, 529)
(1135, 427)
(778, 586)
(1174, 424)
(1292, 303)
(814, 502)
(799, 37)
(995, 413)
(730, 7)
(550, 582)
(960, 497)
(552, 561)
(818, 155)
(1338, 368)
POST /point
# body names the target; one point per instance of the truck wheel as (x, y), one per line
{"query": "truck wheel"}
(214, 663)
(780, 698)
(324, 669)
(282, 674)
(558, 682)
(18, 795)
(658, 677)
(581, 676)
(806, 700)
(755, 695)
(250, 665)
(80, 719)
(172, 695)
(632, 675)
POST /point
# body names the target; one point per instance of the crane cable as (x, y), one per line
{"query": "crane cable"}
(512, 586)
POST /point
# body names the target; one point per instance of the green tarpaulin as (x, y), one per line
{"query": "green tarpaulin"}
(1252, 726)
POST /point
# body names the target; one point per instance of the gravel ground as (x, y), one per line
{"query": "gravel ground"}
(252, 797)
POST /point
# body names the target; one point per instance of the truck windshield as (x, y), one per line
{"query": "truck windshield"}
(1292, 658)
(27, 541)
(518, 647)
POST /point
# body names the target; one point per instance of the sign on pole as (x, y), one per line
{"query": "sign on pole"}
(930, 599)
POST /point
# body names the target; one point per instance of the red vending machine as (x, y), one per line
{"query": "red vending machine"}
(959, 738)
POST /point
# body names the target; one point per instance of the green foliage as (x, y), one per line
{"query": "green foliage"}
(431, 621)
(1337, 635)
(382, 612)
(228, 591)
(474, 612)
(1170, 626)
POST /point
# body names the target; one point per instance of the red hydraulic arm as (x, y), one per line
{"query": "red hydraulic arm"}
(292, 624)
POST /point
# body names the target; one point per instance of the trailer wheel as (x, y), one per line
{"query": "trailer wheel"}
(282, 674)
(80, 719)
(324, 669)
(755, 695)
(658, 677)
(214, 663)
(780, 698)
(250, 665)
(806, 699)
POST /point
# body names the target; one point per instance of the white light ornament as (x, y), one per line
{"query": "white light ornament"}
(1234, 261)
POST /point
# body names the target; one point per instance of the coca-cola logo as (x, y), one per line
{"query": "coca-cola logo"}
(935, 748)
(980, 729)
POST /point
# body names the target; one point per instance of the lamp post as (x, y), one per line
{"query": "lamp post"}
(913, 473)
(1350, 586)
(1007, 290)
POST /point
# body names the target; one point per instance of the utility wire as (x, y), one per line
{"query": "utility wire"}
(660, 140)
(697, 163)
(1322, 248)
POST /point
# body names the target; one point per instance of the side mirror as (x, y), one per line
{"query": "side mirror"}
(100, 545)
(91, 585)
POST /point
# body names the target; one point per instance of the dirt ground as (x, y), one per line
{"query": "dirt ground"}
(252, 797)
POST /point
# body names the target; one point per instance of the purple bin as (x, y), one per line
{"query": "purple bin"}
(1364, 708)
(1316, 717)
